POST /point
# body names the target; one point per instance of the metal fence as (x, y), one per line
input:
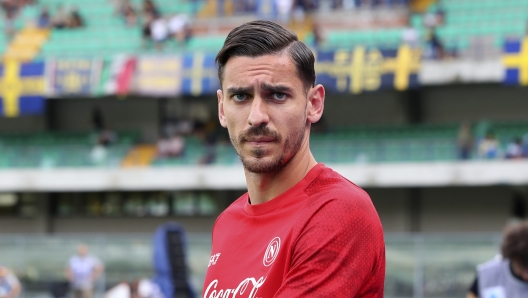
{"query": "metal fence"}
(418, 265)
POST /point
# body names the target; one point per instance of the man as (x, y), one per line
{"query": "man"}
(9, 284)
(82, 272)
(505, 276)
(301, 230)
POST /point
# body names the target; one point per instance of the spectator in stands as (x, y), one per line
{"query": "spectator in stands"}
(284, 9)
(60, 19)
(82, 271)
(505, 275)
(410, 35)
(150, 8)
(489, 147)
(318, 37)
(525, 145)
(129, 13)
(173, 147)
(44, 19)
(465, 141)
(75, 19)
(9, 284)
(179, 28)
(436, 47)
(9, 25)
(146, 30)
(514, 149)
(159, 32)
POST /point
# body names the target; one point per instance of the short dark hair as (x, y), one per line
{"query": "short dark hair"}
(515, 243)
(259, 38)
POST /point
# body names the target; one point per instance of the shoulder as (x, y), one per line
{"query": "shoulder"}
(330, 188)
(493, 264)
(232, 210)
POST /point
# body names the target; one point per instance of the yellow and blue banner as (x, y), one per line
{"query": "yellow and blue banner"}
(159, 76)
(74, 76)
(515, 60)
(361, 69)
(22, 88)
(200, 75)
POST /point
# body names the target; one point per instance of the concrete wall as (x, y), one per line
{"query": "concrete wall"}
(475, 102)
(445, 209)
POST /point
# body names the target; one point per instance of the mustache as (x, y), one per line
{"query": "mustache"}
(258, 131)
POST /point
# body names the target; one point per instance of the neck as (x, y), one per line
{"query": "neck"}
(266, 186)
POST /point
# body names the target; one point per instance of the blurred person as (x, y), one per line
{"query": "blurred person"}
(82, 271)
(10, 25)
(75, 18)
(172, 147)
(150, 8)
(179, 28)
(465, 141)
(318, 37)
(146, 30)
(44, 19)
(159, 32)
(301, 230)
(60, 19)
(410, 35)
(514, 149)
(525, 145)
(489, 147)
(129, 13)
(506, 276)
(284, 10)
(9, 284)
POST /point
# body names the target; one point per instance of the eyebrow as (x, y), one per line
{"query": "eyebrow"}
(275, 88)
(239, 90)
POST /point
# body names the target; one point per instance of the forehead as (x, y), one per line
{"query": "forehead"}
(278, 68)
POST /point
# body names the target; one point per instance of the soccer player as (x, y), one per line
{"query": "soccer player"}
(82, 271)
(507, 275)
(301, 230)
(9, 284)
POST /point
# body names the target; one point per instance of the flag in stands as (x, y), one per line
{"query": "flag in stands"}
(515, 60)
(122, 72)
(22, 88)
(73, 77)
(368, 70)
(200, 74)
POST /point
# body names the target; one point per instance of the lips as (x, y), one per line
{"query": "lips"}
(260, 139)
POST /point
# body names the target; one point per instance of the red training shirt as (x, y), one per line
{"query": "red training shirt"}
(320, 238)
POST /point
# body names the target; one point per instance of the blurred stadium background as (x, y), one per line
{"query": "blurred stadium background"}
(109, 128)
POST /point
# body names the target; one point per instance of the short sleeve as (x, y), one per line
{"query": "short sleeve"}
(340, 253)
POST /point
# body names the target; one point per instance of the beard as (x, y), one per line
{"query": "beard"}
(254, 161)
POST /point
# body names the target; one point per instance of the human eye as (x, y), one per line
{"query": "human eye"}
(278, 96)
(239, 97)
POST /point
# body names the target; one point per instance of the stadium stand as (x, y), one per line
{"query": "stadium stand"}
(49, 150)
(367, 144)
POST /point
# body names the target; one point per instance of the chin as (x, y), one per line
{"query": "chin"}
(263, 165)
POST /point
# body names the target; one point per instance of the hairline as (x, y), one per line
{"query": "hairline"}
(282, 52)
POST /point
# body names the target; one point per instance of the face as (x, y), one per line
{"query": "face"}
(520, 270)
(267, 110)
(82, 250)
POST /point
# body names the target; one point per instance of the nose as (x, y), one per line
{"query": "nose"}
(258, 116)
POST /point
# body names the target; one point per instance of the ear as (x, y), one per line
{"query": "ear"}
(316, 97)
(221, 115)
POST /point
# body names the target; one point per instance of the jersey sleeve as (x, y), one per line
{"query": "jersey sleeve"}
(339, 253)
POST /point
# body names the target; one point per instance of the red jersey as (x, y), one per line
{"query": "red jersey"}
(320, 238)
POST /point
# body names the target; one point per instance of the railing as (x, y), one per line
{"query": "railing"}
(419, 265)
